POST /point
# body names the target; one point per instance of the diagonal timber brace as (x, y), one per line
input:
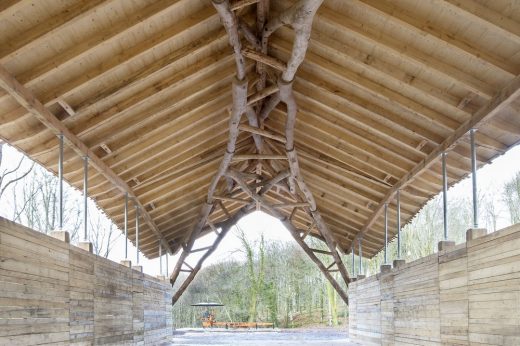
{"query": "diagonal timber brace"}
(225, 226)
(269, 170)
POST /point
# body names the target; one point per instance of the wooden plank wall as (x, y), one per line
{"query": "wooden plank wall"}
(494, 288)
(368, 302)
(352, 310)
(55, 293)
(466, 295)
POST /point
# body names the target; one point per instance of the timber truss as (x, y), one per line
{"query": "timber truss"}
(268, 177)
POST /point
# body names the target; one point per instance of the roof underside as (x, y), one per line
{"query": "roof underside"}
(146, 85)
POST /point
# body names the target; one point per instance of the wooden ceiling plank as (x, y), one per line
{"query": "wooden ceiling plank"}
(332, 95)
(49, 27)
(94, 124)
(116, 30)
(369, 161)
(510, 92)
(486, 16)
(27, 100)
(406, 53)
(315, 63)
(447, 40)
(391, 74)
(7, 6)
(119, 61)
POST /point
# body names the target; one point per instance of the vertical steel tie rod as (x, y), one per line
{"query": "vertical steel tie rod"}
(360, 254)
(398, 224)
(353, 264)
(474, 177)
(444, 196)
(386, 233)
(160, 259)
(60, 182)
(126, 225)
(85, 198)
(137, 234)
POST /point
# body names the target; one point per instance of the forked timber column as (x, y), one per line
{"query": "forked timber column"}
(299, 16)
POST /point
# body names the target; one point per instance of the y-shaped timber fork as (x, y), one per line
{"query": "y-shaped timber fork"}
(257, 109)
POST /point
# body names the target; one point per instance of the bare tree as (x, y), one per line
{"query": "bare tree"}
(103, 233)
(10, 176)
(511, 198)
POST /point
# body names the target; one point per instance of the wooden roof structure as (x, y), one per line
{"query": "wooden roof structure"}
(143, 88)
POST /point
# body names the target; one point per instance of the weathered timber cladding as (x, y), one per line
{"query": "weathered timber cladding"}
(55, 293)
(466, 295)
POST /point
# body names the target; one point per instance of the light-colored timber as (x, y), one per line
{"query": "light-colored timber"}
(465, 295)
(366, 94)
(52, 292)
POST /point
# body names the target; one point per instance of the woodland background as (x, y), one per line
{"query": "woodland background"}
(271, 281)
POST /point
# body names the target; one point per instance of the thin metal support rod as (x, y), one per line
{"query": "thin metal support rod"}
(444, 196)
(126, 225)
(166, 258)
(60, 182)
(85, 198)
(160, 259)
(137, 234)
(353, 264)
(398, 224)
(474, 177)
(360, 254)
(386, 233)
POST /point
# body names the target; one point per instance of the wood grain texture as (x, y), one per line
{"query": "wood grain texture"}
(466, 295)
(379, 93)
(55, 293)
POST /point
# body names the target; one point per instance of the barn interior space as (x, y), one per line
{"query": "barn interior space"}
(340, 118)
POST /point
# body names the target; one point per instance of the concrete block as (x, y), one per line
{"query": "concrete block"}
(61, 235)
(360, 277)
(161, 277)
(353, 279)
(386, 268)
(86, 245)
(474, 233)
(399, 262)
(126, 263)
(445, 245)
(138, 268)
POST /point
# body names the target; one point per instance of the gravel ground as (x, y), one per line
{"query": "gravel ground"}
(323, 336)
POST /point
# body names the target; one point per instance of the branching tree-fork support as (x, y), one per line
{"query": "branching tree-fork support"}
(265, 170)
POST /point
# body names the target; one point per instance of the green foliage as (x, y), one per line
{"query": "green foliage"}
(286, 286)
(511, 197)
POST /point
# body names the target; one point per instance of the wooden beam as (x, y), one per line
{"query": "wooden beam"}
(308, 231)
(262, 94)
(27, 99)
(200, 249)
(261, 132)
(241, 4)
(322, 252)
(290, 205)
(230, 199)
(226, 226)
(320, 265)
(258, 157)
(264, 59)
(499, 102)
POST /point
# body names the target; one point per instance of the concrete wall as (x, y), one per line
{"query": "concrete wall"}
(466, 295)
(55, 293)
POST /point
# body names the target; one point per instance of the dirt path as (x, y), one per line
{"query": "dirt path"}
(323, 336)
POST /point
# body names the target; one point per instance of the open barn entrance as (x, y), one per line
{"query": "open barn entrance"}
(261, 275)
